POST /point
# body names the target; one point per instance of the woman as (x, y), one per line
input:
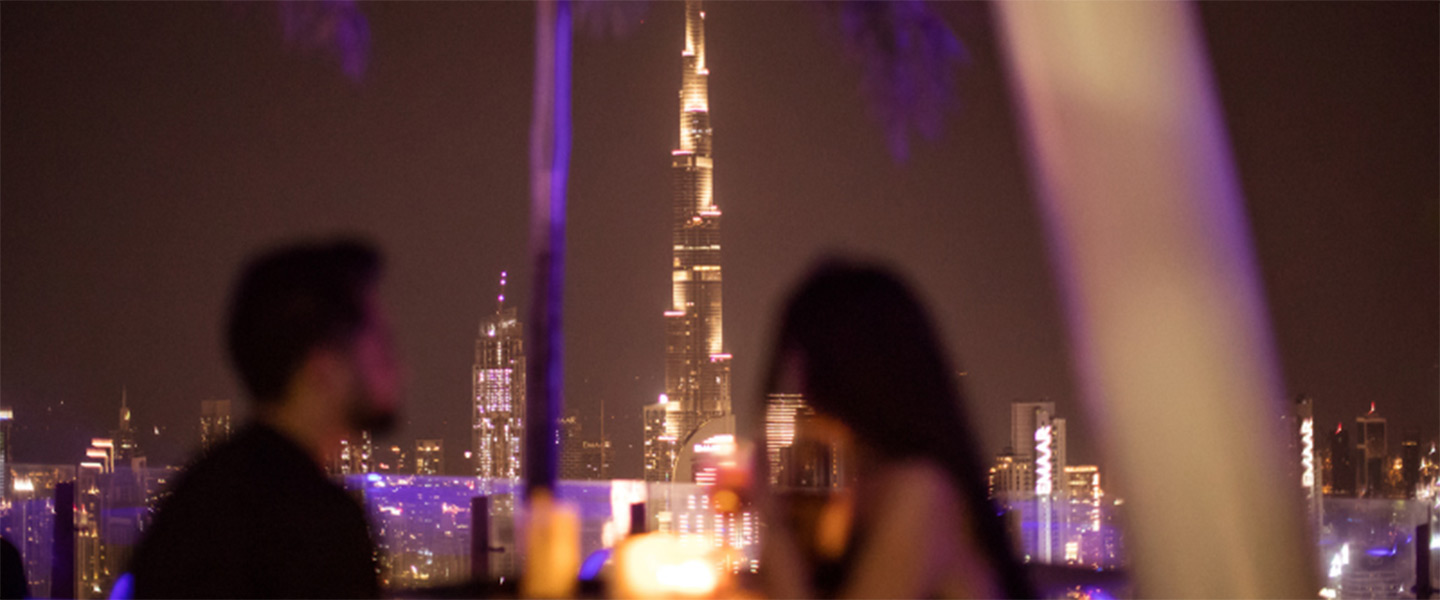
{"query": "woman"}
(912, 518)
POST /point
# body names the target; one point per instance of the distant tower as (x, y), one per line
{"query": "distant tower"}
(661, 439)
(697, 369)
(499, 393)
(429, 457)
(1026, 420)
(782, 412)
(1373, 451)
(571, 461)
(1410, 462)
(125, 446)
(1342, 463)
(356, 455)
(215, 423)
(1012, 478)
(1038, 437)
(7, 419)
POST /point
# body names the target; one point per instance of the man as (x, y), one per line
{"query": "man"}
(257, 517)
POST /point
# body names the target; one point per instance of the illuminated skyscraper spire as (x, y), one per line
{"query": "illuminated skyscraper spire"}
(498, 380)
(697, 369)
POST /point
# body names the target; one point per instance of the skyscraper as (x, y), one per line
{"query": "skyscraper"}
(582, 458)
(1373, 451)
(126, 448)
(1038, 437)
(355, 455)
(1410, 459)
(697, 369)
(429, 457)
(6, 419)
(498, 422)
(215, 423)
(1301, 423)
(1342, 464)
(782, 412)
(499, 393)
(1012, 478)
(660, 439)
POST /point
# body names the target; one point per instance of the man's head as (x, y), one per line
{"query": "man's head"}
(308, 315)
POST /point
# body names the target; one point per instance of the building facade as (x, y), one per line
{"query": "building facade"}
(498, 407)
(429, 457)
(661, 443)
(783, 413)
(215, 423)
(1372, 451)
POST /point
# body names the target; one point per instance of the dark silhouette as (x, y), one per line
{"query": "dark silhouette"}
(13, 583)
(858, 345)
(257, 517)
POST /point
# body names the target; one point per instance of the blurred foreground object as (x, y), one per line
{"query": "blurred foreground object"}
(552, 549)
(1148, 231)
(664, 565)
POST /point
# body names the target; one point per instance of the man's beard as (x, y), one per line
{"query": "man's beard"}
(364, 416)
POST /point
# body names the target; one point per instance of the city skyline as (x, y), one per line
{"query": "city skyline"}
(115, 275)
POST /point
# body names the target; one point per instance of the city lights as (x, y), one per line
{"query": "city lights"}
(1044, 474)
(1307, 455)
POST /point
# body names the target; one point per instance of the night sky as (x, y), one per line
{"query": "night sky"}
(148, 148)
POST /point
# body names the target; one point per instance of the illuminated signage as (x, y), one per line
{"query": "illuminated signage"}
(1307, 456)
(723, 444)
(1044, 469)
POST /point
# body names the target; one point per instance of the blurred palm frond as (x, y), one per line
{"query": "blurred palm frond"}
(337, 27)
(610, 18)
(908, 56)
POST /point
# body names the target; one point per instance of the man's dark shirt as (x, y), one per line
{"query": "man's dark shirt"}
(257, 519)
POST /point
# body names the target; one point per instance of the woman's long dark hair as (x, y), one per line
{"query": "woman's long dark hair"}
(871, 359)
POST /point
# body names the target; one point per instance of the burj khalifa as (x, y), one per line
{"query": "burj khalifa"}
(697, 369)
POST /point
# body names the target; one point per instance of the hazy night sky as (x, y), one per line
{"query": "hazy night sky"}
(148, 148)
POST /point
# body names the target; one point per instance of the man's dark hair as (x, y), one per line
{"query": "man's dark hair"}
(292, 300)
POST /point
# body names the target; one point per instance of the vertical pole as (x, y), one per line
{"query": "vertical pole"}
(62, 561)
(1423, 589)
(637, 518)
(1172, 343)
(549, 169)
(480, 539)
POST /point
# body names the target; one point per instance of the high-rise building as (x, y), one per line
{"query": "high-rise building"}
(215, 423)
(126, 448)
(782, 412)
(1301, 423)
(1083, 543)
(499, 393)
(569, 432)
(582, 458)
(355, 455)
(1410, 463)
(660, 439)
(1012, 478)
(697, 369)
(1038, 437)
(595, 458)
(1342, 463)
(429, 457)
(7, 418)
(1373, 451)
(393, 459)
